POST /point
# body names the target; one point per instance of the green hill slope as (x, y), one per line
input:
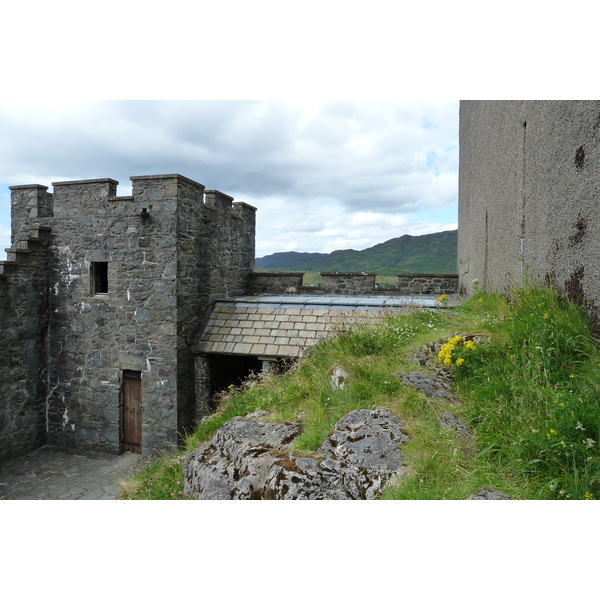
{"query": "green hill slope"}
(432, 253)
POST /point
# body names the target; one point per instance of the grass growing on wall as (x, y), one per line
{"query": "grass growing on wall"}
(529, 389)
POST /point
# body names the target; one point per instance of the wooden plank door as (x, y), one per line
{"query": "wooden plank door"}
(132, 411)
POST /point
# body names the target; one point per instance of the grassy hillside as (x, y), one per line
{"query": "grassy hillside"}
(432, 253)
(529, 392)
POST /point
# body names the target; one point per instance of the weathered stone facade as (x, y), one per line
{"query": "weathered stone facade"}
(348, 283)
(124, 287)
(24, 287)
(276, 283)
(528, 195)
(417, 284)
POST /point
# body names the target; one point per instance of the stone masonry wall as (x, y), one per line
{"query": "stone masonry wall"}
(23, 323)
(93, 337)
(418, 284)
(169, 249)
(348, 283)
(30, 205)
(528, 195)
(355, 283)
(275, 283)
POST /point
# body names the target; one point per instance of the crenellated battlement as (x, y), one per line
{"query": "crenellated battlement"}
(31, 205)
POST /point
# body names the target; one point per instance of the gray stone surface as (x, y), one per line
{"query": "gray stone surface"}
(251, 459)
(50, 473)
(448, 420)
(347, 283)
(338, 378)
(234, 464)
(488, 493)
(528, 195)
(431, 385)
(428, 284)
(23, 325)
(355, 283)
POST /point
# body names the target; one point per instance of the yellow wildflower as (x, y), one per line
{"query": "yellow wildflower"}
(459, 361)
(469, 345)
(589, 496)
(553, 432)
(546, 316)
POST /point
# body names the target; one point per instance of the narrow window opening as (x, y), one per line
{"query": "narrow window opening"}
(99, 278)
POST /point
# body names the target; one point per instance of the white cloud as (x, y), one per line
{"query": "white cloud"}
(4, 240)
(323, 175)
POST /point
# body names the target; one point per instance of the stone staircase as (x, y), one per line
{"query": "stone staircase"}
(24, 248)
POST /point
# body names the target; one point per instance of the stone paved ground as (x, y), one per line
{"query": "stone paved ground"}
(57, 474)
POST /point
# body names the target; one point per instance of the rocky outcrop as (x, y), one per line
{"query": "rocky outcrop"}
(431, 385)
(489, 493)
(249, 458)
(437, 384)
(448, 420)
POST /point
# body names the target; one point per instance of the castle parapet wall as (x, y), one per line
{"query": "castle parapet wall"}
(275, 283)
(417, 284)
(348, 283)
(424, 284)
(30, 205)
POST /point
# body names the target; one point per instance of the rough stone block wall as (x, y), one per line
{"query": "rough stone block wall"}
(275, 283)
(130, 281)
(94, 337)
(528, 195)
(418, 284)
(354, 283)
(30, 205)
(348, 283)
(23, 323)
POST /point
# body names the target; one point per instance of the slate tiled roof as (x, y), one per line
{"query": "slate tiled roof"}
(282, 326)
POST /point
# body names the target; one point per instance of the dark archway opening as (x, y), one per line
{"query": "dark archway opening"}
(230, 370)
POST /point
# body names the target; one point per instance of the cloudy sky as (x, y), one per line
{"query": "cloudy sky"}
(323, 175)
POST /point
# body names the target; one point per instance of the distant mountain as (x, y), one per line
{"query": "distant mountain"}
(431, 253)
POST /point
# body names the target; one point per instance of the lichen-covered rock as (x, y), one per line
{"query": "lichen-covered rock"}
(356, 460)
(251, 459)
(448, 420)
(235, 462)
(338, 377)
(368, 439)
(488, 493)
(435, 386)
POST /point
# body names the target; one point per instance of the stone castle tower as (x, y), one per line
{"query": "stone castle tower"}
(100, 303)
